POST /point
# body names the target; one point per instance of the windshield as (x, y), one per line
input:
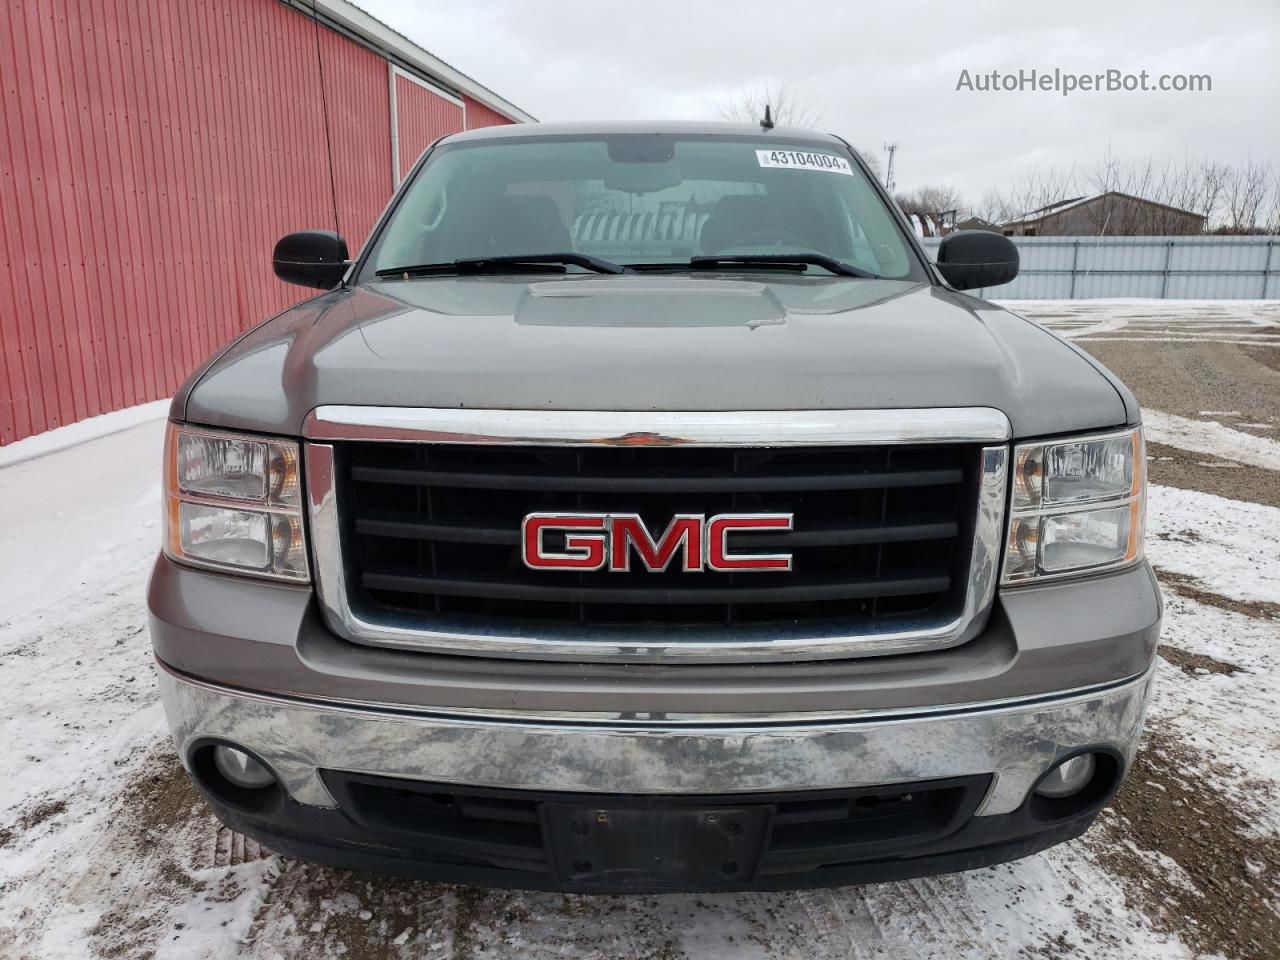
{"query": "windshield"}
(644, 200)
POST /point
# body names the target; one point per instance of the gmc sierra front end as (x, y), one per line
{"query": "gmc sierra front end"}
(641, 510)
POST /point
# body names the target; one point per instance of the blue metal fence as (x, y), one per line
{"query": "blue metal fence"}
(1193, 268)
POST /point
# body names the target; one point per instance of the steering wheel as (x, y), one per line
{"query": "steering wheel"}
(770, 238)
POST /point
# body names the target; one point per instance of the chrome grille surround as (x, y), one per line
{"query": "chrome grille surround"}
(645, 644)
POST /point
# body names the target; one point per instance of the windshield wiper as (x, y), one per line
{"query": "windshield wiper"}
(540, 262)
(782, 261)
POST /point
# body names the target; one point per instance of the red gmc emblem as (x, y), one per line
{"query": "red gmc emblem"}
(606, 541)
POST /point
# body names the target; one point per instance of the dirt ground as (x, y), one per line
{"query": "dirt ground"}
(1224, 369)
(106, 851)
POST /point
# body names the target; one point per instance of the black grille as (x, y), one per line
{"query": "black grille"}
(879, 531)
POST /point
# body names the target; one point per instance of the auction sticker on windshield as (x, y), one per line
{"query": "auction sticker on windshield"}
(802, 160)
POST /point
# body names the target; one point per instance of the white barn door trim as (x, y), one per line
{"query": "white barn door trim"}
(392, 72)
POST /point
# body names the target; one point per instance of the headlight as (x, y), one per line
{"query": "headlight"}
(1078, 506)
(234, 503)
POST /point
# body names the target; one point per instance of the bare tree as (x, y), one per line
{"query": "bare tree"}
(1112, 175)
(1038, 189)
(1244, 192)
(994, 207)
(1272, 223)
(1212, 176)
(787, 107)
(1239, 198)
(936, 205)
(939, 199)
(1195, 185)
(872, 161)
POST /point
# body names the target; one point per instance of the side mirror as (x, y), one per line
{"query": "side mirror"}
(311, 258)
(969, 259)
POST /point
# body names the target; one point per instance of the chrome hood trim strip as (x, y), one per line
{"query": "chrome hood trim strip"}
(733, 428)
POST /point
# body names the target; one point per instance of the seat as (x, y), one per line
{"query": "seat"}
(528, 223)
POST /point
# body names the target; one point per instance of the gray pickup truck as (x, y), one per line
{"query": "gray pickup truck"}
(641, 510)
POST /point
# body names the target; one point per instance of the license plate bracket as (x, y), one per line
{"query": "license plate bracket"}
(655, 846)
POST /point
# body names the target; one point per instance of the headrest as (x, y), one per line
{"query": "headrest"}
(529, 223)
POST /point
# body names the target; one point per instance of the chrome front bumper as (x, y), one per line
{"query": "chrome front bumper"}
(1015, 741)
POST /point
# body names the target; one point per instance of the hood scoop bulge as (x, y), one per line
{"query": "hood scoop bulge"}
(649, 302)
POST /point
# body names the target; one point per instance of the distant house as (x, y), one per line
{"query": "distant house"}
(1110, 214)
(976, 223)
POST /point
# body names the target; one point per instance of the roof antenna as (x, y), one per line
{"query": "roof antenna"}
(767, 122)
(324, 113)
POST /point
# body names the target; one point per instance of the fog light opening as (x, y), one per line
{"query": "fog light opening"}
(1077, 785)
(1069, 777)
(240, 769)
(229, 774)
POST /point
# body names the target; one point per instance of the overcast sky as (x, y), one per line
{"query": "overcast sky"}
(886, 72)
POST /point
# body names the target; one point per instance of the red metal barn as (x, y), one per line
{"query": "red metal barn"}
(153, 151)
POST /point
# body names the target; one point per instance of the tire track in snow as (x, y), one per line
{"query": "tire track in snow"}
(1240, 322)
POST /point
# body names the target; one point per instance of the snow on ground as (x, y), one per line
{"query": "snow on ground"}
(80, 710)
(1242, 322)
(1212, 438)
(106, 851)
(1232, 547)
(82, 431)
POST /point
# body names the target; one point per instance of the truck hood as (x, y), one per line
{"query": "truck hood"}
(651, 343)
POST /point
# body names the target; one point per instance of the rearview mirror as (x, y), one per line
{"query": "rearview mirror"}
(311, 258)
(969, 259)
(642, 177)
